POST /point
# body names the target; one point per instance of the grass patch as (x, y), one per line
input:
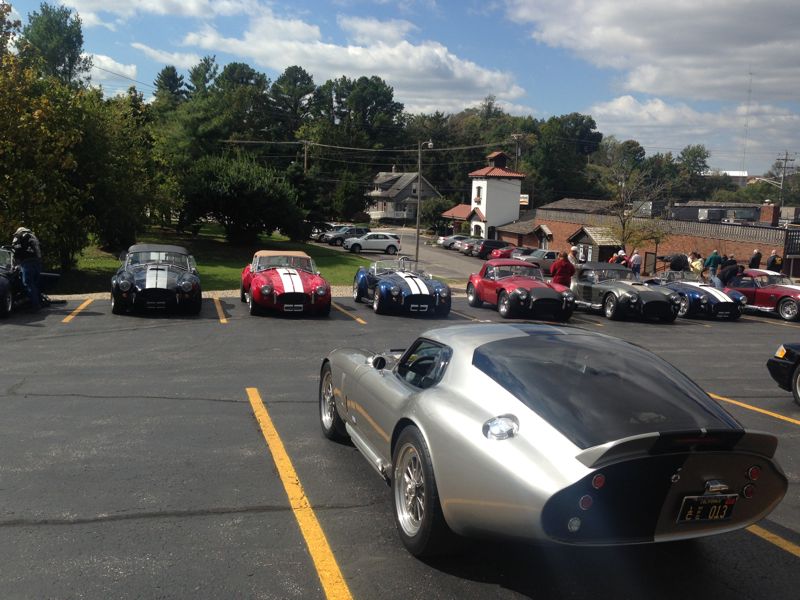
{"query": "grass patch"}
(220, 264)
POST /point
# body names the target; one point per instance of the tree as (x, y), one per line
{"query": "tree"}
(348, 198)
(54, 40)
(292, 94)
(8, 27)
(201, 75)
(170, 89)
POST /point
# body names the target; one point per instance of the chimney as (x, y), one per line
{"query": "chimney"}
(498, 159)
(769, 214)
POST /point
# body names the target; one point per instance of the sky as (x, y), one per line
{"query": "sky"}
(722, 73)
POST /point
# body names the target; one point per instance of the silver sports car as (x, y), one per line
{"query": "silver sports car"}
(545, 433)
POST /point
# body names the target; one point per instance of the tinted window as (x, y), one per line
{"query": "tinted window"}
(595, 389)
(424, 364)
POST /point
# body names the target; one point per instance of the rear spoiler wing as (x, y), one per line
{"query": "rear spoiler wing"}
(700, 440)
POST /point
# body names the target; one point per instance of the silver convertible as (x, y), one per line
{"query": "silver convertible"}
(540, 432)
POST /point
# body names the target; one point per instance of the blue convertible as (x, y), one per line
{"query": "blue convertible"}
(393, 286)
(700, 299)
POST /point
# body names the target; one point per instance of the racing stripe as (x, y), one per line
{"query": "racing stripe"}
(416, 285)
(796, 288)
(156, 277)
(291, 280)
(710, 289)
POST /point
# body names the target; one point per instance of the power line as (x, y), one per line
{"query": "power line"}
(124, 76)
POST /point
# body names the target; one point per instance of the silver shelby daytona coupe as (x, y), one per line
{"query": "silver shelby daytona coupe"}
(545, 433)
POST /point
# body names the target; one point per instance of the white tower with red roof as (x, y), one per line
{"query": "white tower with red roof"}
(495, 196)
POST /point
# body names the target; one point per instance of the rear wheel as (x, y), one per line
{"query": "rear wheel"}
(472, 296)
(355, 248)
(787, 309)
(332, 424)
(391, 250)
(504, 305)
(611, 307)
(796, 384)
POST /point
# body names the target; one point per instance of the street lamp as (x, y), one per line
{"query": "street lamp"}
(420, 146)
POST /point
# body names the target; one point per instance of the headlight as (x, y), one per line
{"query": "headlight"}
(780, 352)
(521, 293)
(124, 285)
(395, 291)
(501, 428)
(186, 286)
(444, 292)
(322, 290)
(633, 298)
(743, 299)
(675, 298)
(703, 300)
(266, 290)
(568, 296)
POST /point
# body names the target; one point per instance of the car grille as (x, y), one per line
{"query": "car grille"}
(292, 301)
(655, 309)
(725, 308)
(546, 305)
(156, 297)
(419, 303)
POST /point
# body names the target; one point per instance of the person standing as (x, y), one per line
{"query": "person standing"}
(755, 260)
(573, 256)
(636, 264)
(28, 255)
(562, 270)
(774, 262)
(696, 263)
(727, 262)
(713, 262)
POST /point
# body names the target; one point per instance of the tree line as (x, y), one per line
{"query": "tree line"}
(227, 143)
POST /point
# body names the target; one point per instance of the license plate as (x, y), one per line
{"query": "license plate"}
(723, 314)
(292, 308)
(718, 507)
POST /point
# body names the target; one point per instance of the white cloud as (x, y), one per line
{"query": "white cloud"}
(90, 10)
(698, 50)
(184, 60)
(113, 76)
(367, 31)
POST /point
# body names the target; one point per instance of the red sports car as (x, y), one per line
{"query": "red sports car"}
(518, 287)
(285, 282)
(768, 291)
(502, 252)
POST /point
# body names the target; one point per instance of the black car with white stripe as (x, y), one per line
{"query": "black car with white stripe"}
(157, 276)
(394, 286)
(701, 299)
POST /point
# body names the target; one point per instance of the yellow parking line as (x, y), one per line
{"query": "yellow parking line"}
(775, 539)
(355, 318)
(75, 312)
(755, 409)
(771, 322)
(463, 316)
(324, 561)
(220, 313)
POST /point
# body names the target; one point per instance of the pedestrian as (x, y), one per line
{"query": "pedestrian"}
(727, 262)
(728, 274)
(636, 264)
(696, 263)
(573, 256)
(712, 263)
(774, 262)
(621, 258)
(679, 262)
(28, 255)
(562, 270)
(755, 260)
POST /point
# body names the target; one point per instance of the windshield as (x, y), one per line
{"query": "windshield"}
(403, 263)
(503, 271)
(539, 253)
(774, 280)
(303, 263)
(683, 276)
(174, 259)
(595, 390)
(615, 274)
(5, 259)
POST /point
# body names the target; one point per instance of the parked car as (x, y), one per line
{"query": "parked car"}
(784, 367)
(468, 246)
(447, 241)
(613, 289)
(399, 285)
(376, 241)
(518, 288)
(700, 299)
(337, 236)
(483, 248)
(12, 291)
(521, 252)
(504, 252)
(284, 281)
(156, 276)
(458, 245)
(538, 432)
(768, 292)
(543, 258)
(318, 228)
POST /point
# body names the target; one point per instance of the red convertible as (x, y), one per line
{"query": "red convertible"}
(768, 291)
(285, 282)
(517, 287)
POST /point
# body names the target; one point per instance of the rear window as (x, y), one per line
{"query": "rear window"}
(596, 389)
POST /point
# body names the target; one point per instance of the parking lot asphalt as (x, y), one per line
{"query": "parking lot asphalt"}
(134, 466)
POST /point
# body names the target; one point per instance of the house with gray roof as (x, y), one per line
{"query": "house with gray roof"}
(394, 195)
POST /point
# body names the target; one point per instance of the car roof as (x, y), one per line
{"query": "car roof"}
(604, 265)
(281, 253)
(157, 248)
(507, 262)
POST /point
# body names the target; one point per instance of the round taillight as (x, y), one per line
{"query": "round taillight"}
(573, 525)
(753, 473)
(598, 481)
(749, 490)
(585, 503)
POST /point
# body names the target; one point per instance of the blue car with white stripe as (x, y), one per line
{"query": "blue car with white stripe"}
(400, 286)
(700, 299)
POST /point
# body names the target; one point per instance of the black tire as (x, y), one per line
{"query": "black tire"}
(391, 250)
(472, 296)
(377, 303)
(253, 308)
(338, 242)
(685, 306)
(356, 293)
(195, 306)
(116, 307)
(6, 304)
(563, 316)
(787, 309)
(670, 318)
(504, 305)
(443, 311)
(355, 248)
(796, 384)
(735, 315)
(611, 307)
(242, 294)
(331, 423)
(417, 511)
(326, 311)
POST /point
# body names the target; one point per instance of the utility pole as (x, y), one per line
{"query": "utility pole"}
(784, 160)
(305, 157)
(516, 137)
(428, 144)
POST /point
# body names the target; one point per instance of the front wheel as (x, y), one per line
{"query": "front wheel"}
(377, 302)
(611, 307)
(338, 242)
(563, 316)
(392, 250)
(6, 304)
(356, 293)
(195, 306)
(252, 307)
(683, 310)
(787, 309)
(417, 510)
(116, 307)
(332, 424)
(355, 249)
(796, 384)
(472, 296)
(504, 306)
(242, 293)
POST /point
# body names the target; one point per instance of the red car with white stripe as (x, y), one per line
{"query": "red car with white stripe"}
(284, 281)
